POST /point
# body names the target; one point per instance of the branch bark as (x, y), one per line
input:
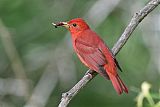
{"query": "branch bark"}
(136, 19)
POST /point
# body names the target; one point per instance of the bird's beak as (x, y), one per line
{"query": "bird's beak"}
(64, 24)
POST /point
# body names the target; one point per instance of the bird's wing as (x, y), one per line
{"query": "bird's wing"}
(107, 51)
(117, 64)
(91, 56)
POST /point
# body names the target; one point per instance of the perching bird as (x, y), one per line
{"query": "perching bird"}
(93, 52)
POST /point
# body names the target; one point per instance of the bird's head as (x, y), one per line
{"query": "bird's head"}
(74, 26)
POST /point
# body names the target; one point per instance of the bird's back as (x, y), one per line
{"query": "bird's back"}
(93, 51)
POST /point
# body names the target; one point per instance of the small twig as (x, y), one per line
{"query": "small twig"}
(136, 19)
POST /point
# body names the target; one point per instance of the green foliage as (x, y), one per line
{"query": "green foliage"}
(146, 94)
(42, 48)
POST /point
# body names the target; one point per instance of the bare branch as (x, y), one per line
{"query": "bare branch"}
(136, 19)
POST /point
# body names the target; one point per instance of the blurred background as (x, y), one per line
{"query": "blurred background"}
(37, 62)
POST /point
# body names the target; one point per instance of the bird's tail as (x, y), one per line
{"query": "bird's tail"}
(117, 83)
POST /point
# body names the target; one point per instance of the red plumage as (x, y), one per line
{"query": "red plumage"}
(94, 53)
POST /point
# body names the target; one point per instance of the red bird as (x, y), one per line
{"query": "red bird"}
(93, 52)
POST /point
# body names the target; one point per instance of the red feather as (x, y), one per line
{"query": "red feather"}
(94, 53)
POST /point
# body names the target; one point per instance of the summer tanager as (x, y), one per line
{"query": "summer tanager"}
(93, 52)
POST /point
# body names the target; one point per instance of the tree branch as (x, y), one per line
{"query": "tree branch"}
(136, 19)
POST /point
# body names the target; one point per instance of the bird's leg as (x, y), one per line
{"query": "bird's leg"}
(91, 73)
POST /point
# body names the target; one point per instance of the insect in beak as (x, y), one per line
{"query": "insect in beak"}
(64, 24)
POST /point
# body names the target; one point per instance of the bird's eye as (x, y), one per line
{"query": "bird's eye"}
(74, 24)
